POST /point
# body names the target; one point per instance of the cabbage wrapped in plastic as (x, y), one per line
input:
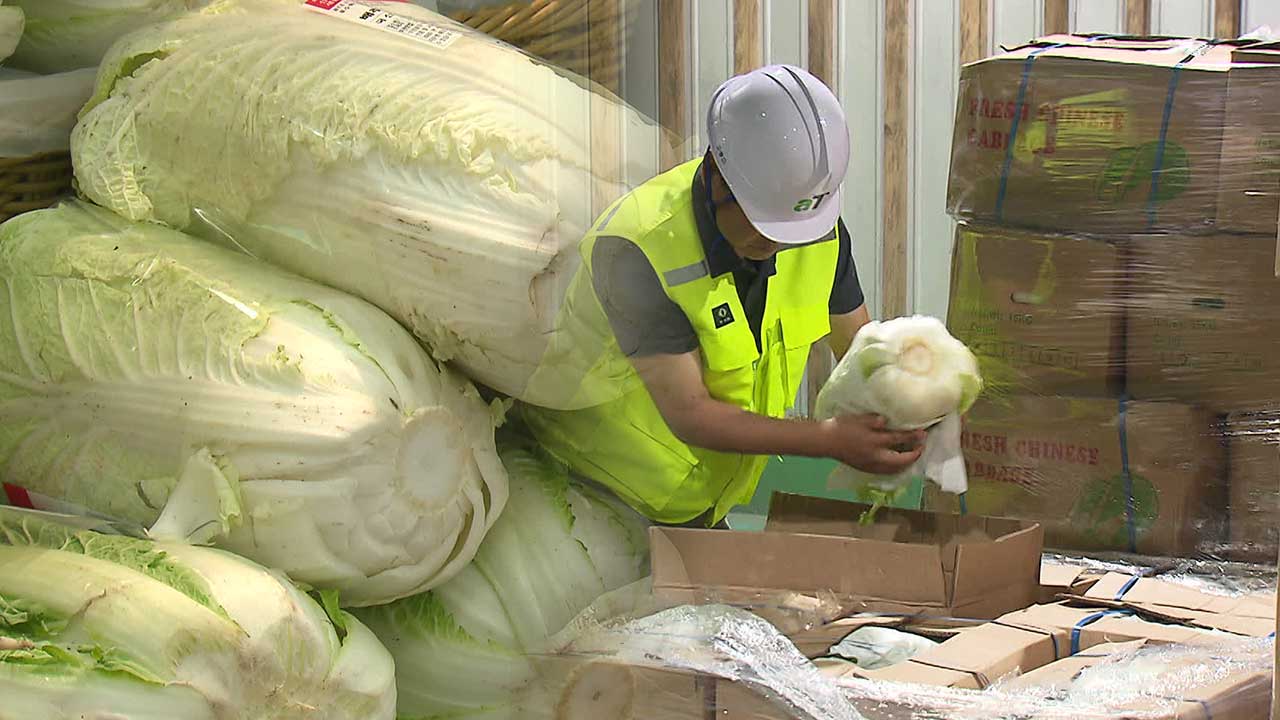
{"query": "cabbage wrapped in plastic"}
(100, 625)
(447, 180)
(37, 112)
(467, 649)
(65, 35)
(156, 379)
(915, 375)
(12, 21)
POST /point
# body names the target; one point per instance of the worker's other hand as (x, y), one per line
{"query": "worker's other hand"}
(865, 443)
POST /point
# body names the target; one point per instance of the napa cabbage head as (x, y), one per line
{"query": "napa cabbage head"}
(12, 21)
(915, 375)
(449, 184)
(156, 379)
(65, 35)
(94, 624)
(560, 551)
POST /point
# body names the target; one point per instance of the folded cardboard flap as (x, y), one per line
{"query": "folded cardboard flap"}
(1062, 672)
(1157, 592)
(1247, 615)
(1057, 579)
(1158, 52)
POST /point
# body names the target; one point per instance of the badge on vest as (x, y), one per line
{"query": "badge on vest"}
(722, 315)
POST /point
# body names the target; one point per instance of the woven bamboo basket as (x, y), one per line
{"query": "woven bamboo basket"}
(31, 183)
(582, 36)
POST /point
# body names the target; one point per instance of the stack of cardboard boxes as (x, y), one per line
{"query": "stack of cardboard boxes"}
(1116, 272)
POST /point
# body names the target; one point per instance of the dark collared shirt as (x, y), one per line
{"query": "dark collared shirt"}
(647, 322)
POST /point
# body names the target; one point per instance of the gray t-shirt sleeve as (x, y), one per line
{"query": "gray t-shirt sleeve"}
(644, 320)
(846, 293)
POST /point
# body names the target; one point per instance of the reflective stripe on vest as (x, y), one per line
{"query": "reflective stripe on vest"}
(618, 438)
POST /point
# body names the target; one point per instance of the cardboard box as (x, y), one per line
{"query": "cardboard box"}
(960, 566)
(1023, 641)
(1041, 312)
(1204, 320)
(1059, 461)
(1066, 133)
(1254, 455)
(1247, 615)
(1240, 695)
(1249, 188)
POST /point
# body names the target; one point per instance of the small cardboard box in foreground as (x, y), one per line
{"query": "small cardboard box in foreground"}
(969, 566)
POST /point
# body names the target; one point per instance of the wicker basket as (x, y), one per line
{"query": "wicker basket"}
(582, 36)
(31, 183)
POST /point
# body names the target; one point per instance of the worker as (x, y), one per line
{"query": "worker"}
(698, 299)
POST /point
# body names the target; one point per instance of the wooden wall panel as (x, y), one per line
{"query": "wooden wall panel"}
(1056, 17)
(974, 43)
(1137, 17)
(897, 137)
(824, 31)
(1226, 18)
(673, 77)
(748, 35)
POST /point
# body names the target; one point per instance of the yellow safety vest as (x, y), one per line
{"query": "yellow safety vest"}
(619, 438)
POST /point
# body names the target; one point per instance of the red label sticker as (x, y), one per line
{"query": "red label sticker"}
(323, 4)
(18, 496)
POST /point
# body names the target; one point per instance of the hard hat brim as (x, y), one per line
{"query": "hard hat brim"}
(796, 232)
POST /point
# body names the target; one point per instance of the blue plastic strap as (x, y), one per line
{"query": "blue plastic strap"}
(1017, 117)
(1013, 127)
(1130, 512)
(1158, 165)
(1127, 586)
(1089, 620)
(964, 504)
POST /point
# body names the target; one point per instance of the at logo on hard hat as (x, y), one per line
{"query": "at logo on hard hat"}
(812, 203)
(721, 315)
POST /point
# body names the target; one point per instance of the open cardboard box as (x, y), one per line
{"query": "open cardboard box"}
(968, 567)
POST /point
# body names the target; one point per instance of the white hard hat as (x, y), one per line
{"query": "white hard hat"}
(779, 137)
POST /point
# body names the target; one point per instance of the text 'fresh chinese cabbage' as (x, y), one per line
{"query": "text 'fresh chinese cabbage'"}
(463, 650)
(915, 375)
(11, 24)
(64, 35)
(97, 625)
(447, 181)
(154, 378)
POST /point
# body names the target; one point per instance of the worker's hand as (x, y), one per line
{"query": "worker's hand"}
(864, 442)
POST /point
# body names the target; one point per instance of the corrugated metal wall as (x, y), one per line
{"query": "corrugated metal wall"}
(896, 66)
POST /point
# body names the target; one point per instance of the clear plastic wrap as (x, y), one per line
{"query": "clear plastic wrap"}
(379, 148)
(151, 378)
(37, 112)
(66, 35)
(1115, 269)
